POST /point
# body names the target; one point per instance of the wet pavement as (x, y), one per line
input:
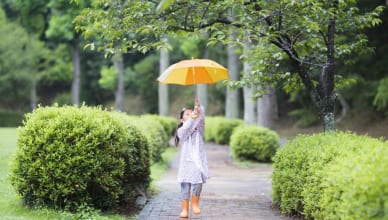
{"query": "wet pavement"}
(234, 191)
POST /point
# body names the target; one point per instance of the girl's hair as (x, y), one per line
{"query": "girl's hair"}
(179, 125)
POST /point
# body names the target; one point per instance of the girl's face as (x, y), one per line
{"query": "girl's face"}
(186, 115)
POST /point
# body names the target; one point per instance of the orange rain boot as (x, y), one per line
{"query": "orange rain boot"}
(194, 205)
(185, 209)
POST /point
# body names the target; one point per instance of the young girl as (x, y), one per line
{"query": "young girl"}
(193, 168)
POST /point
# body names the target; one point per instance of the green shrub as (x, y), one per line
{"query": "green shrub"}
(169, 123)
(69, 156)
(225, 129)
(357, 187)
(380, 101)
(155, 133)
(137, 174)
(211, 126)
(249, 142)
(301, 168)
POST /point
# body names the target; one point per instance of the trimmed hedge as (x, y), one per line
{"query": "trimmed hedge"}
(219, 129)
(356, 187)
(211, 126)
(328, 176)
(249, 142)
(169, 123)
(155, 133)
(225, 129)
(69, 156)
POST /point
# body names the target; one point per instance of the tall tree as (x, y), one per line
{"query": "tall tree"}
(18, 64)
(118, 62)
(164, 61)
(311, 35)
(249, 91)
(31, 15)
(61, 29)
(267, 111)
(232, 95)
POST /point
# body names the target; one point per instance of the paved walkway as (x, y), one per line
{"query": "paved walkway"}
(232, 193)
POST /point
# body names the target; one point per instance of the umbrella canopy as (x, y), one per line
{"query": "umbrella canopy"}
(194, 71)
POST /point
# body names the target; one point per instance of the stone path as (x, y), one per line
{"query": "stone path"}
(234, 192)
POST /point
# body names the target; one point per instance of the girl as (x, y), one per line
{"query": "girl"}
(193, 168)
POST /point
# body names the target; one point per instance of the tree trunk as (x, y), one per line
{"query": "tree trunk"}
(33, 98)
(120, 92)
(322, 94)
(249, 101)
(232, 95)
(202, 89)
(202, 95)
(267, 109)
(33, 94)
(75, 86)
(327, 77)
(164, 61)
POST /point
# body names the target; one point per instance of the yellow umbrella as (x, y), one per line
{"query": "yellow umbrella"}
(194, 71)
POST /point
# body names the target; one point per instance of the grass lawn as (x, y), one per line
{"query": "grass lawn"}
(11, 207)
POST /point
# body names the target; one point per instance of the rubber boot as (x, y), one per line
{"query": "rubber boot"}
(194, 205)
(185, 209)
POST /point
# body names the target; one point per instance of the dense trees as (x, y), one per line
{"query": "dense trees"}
(311, 36)
(289, 51)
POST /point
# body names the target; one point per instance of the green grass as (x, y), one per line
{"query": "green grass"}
(11, 207)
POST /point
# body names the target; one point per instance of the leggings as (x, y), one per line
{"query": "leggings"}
(185, 190)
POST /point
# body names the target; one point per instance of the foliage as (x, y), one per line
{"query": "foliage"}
(142, 81)
(108, 78)
(17, 61)
(306, 117)
(169, 123)
(381, 98)
(57, 69)
(155, 134)
(219, 129)
(250, 142)
(211, 127)
(310, 35)
(356, 187)
(71, 156)
(302, 166)
(225, 129)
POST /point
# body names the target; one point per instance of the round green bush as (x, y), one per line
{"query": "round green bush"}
(225, 129)
(155, 133)
(211, 126)
(254, 143)
(136, 174)
(356, 187)
(169, 123)
(69, 156)
(301, 169)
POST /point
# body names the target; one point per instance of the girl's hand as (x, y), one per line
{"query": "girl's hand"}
(196, 108)
(196, 102)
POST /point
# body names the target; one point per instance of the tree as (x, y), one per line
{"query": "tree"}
(249, 98)
(18, 64)
(311, 35)
(164, 61)
(120, 92)
(232, 95)
(61, 29)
